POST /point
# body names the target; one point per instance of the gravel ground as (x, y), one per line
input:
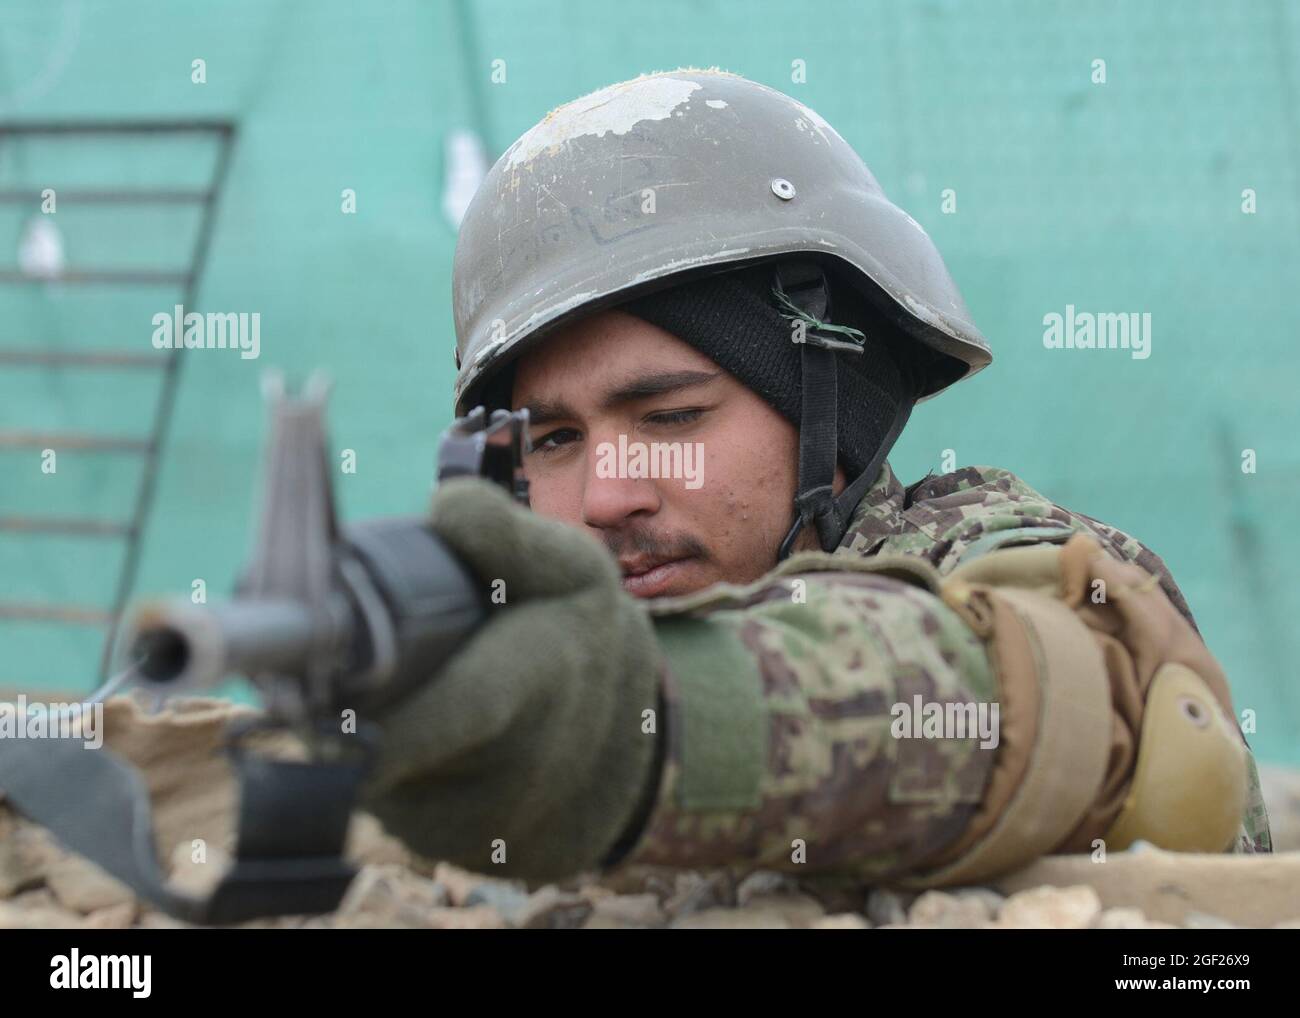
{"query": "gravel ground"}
(42, 886)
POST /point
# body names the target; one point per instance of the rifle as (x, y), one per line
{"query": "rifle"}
(329, 623)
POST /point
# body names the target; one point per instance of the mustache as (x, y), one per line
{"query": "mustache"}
(644, 542)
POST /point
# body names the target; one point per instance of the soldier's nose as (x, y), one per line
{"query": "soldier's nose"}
(610, 496)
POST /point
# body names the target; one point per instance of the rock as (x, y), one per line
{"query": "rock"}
(835, 894)
(697, 891)
(1120, 919)
(1201, 921)
(40, 897)
(16, 917)
(657, 880)
(796, 909)
(178, 751)
(114, 917)
(1128, 919)
(1051, 908)
(458, 882)
(733, 919)
(886, 907)
(25, 854)
(623, 911)
(578, 881)
(363, 919)
(151, 919)
(390, 894)
(368, 842)
(1249, 890)
(766, 900)
(83, 887)
(291, 922)
(990, 900)
(944, 910)
(480, 917)
(509, 901)
(595, 892)
(35, 910)
(553, 909)
(841, 921)
(267, 923)
(763, 882)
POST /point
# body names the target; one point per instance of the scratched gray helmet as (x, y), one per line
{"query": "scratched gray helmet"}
(680, 172)
(647, 183)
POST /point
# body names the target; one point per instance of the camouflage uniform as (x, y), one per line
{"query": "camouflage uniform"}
(829, 670)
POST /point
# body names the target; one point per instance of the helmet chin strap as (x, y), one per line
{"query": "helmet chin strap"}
(804, 288)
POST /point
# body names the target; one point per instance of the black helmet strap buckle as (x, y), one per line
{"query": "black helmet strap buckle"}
(802, 286)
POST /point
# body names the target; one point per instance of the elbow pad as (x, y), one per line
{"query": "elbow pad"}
(1116, 720)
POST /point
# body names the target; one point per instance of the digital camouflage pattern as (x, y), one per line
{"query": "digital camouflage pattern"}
(825, 662)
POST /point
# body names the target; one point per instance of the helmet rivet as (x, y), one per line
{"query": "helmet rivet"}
(782, 188)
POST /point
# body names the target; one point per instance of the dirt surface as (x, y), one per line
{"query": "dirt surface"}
(42, 886)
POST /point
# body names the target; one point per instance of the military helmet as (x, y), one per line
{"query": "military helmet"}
(683, 172)
(651, 183)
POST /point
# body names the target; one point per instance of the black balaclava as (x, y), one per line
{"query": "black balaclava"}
(736, 320)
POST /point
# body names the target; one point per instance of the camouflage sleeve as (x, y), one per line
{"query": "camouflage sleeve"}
(970, 512)
(781, 698)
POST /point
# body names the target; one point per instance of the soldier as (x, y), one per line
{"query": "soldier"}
(797, 662)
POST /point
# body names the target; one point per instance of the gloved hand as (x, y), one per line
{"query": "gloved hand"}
(532, 733)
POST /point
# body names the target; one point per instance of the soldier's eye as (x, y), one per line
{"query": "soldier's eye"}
(675, 416)
(554, 439)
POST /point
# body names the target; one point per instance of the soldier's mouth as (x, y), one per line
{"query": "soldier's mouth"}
(650, 578)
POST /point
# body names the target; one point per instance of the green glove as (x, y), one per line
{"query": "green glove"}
(532, 733)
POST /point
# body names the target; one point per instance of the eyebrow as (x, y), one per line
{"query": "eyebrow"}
(659, 383)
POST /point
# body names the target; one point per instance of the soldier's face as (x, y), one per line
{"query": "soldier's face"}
(685, 474)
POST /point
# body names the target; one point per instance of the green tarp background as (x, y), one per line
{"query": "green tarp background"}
(1122, 196)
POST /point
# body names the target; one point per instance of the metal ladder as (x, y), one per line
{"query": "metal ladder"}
(165, 363)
